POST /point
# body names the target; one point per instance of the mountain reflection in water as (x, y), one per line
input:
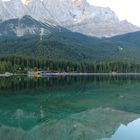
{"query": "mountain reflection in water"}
(68, 108)
(127, 132)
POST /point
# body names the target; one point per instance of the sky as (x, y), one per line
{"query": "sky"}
(125, 9)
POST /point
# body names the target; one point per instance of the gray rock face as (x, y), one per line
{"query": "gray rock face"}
(76, 15)
(16, 8)
(4, 12)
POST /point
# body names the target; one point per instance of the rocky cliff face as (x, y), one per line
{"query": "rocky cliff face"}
(4, 12)
(76, 15)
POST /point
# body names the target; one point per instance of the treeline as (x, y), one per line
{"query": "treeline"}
(23, 64)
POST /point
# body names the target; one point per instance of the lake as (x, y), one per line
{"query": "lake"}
(70, 108)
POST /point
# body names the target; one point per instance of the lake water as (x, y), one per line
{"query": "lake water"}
(70, 108)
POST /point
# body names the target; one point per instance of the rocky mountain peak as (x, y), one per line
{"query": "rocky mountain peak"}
(76, 15)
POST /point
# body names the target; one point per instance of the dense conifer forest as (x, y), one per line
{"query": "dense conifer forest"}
(18, 64)
(70, 52)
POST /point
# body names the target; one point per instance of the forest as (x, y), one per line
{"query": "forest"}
(20, 64)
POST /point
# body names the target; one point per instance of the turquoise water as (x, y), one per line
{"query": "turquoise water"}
(70, 108)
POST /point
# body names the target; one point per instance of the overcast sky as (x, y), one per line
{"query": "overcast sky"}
(125, 9)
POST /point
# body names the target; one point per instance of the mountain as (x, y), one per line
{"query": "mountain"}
(75, 15)
(28, 37)
(133, 38)
(4, 12)
(25, 26)
(15, 8)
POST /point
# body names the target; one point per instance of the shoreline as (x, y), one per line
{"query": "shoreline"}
(73, 74)
(93, 74)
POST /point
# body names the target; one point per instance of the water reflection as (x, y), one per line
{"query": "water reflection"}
(88, 125)
(79, 107)
(22, 82)
(127, 132)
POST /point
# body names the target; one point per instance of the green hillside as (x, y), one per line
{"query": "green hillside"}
(62, 50)
(69, 46)
(57, 43)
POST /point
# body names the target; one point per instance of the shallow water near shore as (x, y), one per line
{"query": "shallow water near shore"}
(102, 107)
